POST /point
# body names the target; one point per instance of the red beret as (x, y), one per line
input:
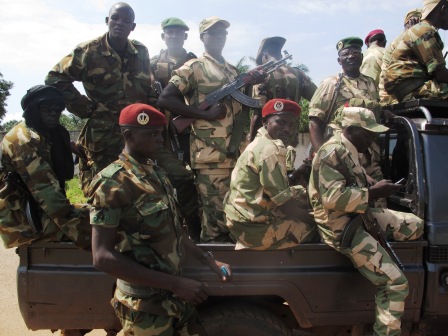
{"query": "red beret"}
(372, 34)
(281, 106)
(141, 115)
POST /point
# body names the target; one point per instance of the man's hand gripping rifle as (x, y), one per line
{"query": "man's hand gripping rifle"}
(232, 89)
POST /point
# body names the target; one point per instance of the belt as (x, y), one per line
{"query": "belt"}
(138, 291)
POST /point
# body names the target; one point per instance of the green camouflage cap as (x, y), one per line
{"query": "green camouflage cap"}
(428, 7)
(417, 13)
(360, 117)
(352, 41)
(174, 22)
(276, 41)
(210, 22)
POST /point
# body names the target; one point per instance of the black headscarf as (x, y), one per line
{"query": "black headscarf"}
(61, 155)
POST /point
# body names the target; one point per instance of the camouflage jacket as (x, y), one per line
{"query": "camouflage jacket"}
(210, 140)
(259, 182)
(371, 64)
(25, 152)
(162, 65)
(385, 98)
(362, 87)
(139, 201)
(334, 199)
(415, 54)
(111, 83)
(287, 83)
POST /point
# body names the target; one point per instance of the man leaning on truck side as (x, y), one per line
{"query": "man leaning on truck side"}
(340, 194)
(137, 235)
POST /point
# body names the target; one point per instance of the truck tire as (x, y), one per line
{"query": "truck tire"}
(242, 320)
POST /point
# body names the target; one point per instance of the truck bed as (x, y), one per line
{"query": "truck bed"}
(58, 288)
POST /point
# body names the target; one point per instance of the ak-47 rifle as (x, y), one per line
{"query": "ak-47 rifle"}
(232, 89)
(301, 175)
(371, 225)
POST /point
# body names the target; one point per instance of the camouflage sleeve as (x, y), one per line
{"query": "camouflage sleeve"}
(104, 196)
(70, 69)
(321, 100)
(183, 78)
(333, 189)
(429, 50)
(273, 178)
(37, 174)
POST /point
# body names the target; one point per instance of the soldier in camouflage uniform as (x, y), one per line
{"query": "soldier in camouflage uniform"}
(373, 56)
(181, 177)
(412, 18)
(114, 72)
(339, 190)
(286, 82)
(212, 131)
(417, 68)
(35, 163)
(137, 235)
(355, 89)
(262, 210)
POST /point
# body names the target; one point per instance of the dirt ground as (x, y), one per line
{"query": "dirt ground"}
(11, 322)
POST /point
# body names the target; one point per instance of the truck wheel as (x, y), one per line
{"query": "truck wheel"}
(242, 320)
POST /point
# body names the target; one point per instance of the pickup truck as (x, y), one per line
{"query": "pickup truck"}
(307, 290)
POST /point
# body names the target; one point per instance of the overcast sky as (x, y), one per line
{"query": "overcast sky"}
(36, 34)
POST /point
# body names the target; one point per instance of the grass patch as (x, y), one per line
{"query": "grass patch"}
(74, 192)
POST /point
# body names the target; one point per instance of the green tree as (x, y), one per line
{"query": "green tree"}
(5, 127)
(5, 86)
(241, 67)
(71, 122)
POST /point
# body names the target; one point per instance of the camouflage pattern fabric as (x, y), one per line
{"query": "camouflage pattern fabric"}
(385, 98)
(139, 201)
(160, 316)
(259, 185)
(362, 87)
(181, 177)
(287, 83)
(182, 180)
(291, 155)
(111, 83)
(213, 184)
(195, 80)
(209, 139)
(25, 152)
(371, 64)
(415, 55)
(335, 200)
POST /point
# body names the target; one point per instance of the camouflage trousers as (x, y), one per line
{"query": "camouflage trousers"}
(213, 184)
(432, 89)
(280, 233)
(163, 315)
(182, 180)
(375, 264)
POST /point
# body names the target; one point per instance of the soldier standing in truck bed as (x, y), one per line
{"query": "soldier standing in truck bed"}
(175, 154)
(213, 129)
(114, 72)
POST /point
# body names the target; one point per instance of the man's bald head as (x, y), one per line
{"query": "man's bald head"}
(121, 5)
